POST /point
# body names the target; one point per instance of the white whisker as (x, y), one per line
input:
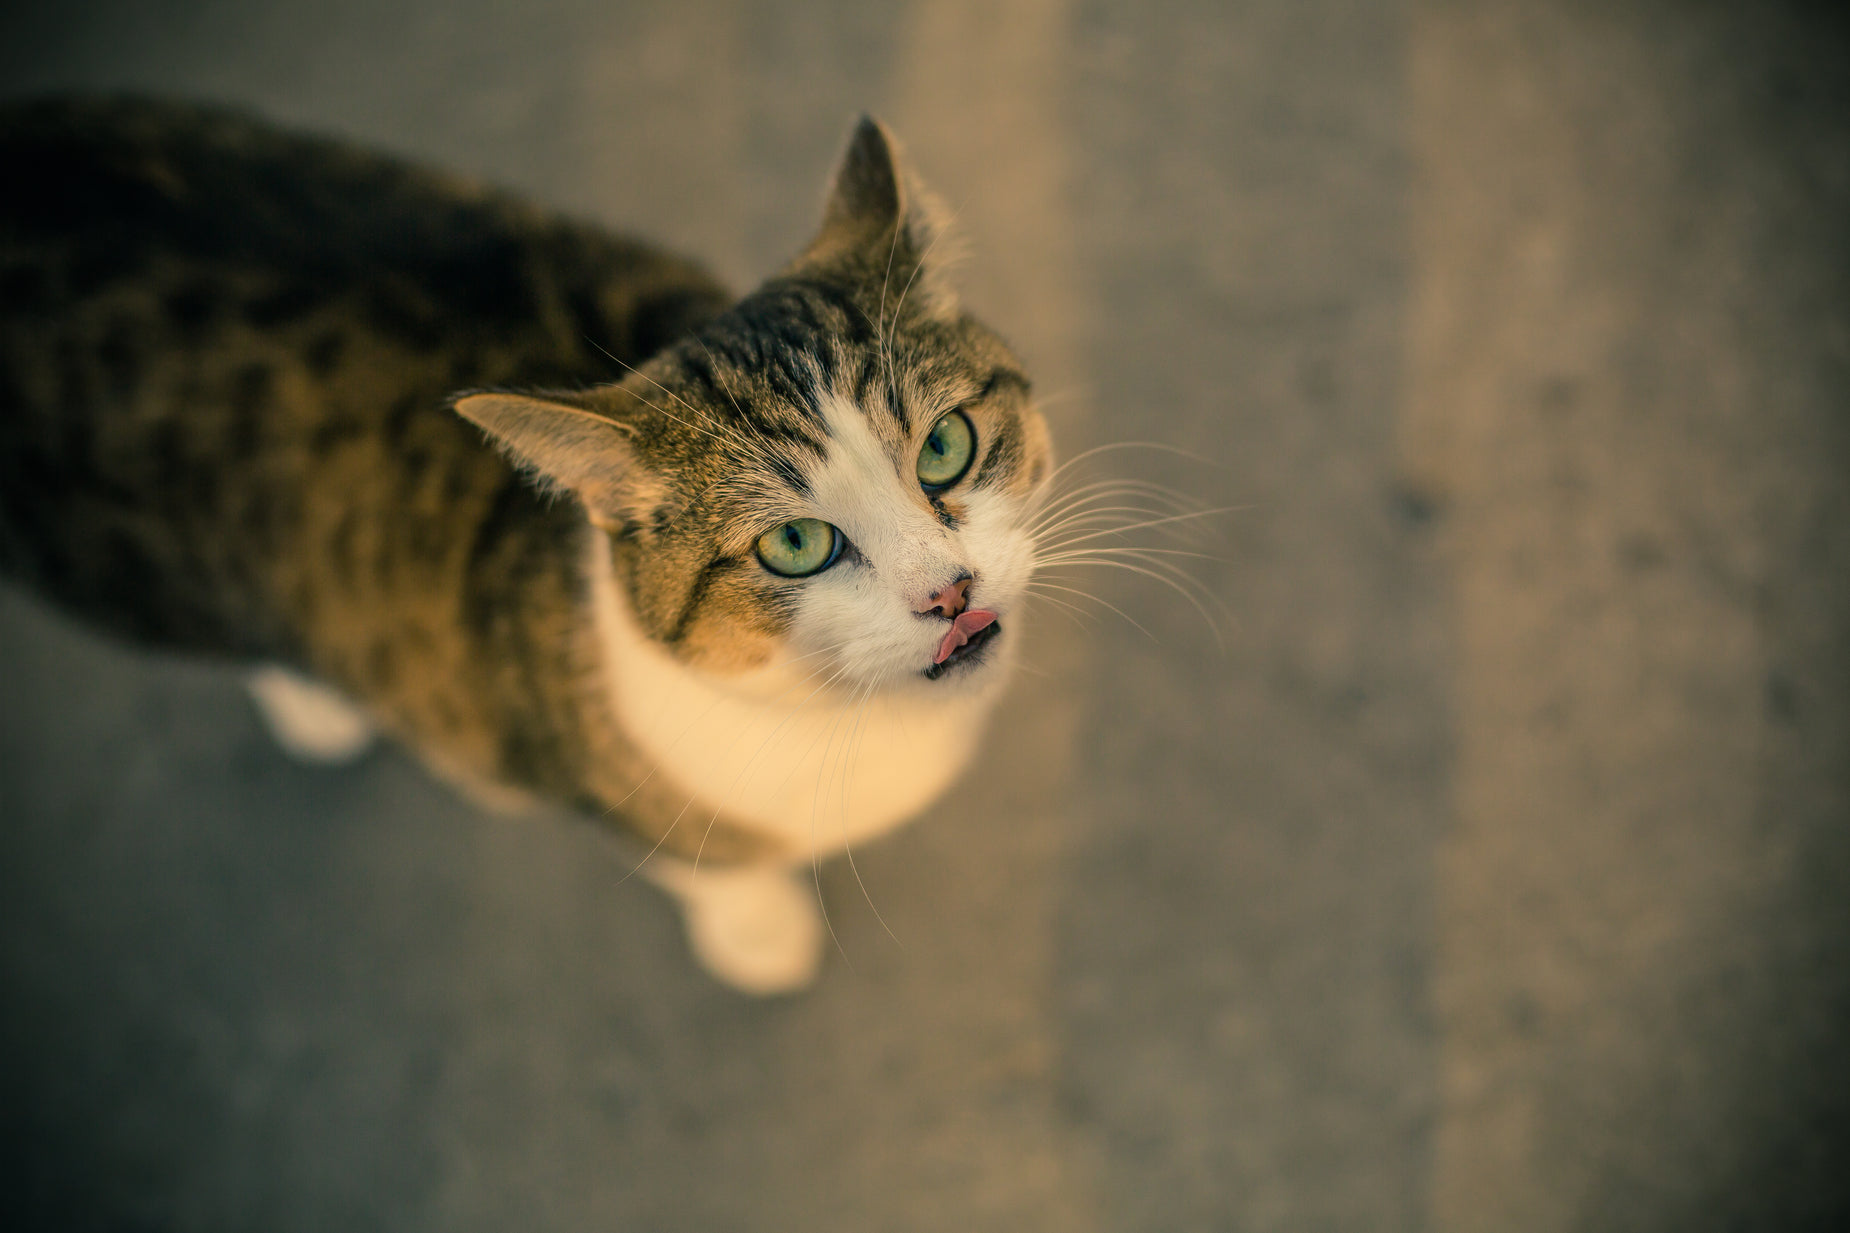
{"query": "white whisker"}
(726, 435)
(716, 378)
(1176, 583)
(1155, 522)
(919, 265)
(847, 847)
(1042, 584)
(1061, 554)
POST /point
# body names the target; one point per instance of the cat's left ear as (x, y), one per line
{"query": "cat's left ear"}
(573, 442)
(881, 222)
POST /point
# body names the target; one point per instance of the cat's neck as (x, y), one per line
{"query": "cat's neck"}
(814, 767)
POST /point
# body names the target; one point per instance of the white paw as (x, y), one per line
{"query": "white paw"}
(308, 719)
(757, 930)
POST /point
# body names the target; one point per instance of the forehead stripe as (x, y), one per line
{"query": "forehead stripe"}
(725, 387)
(787, 470)
(875, 372)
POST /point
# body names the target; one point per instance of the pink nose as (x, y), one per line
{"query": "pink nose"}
(949, 601)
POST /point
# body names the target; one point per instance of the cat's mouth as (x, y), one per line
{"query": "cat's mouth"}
(964, 642)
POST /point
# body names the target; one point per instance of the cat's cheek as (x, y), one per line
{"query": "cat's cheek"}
(722, 654)
(735, 630)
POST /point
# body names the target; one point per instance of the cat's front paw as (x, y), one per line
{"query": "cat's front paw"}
(758, 930)
(311, 721)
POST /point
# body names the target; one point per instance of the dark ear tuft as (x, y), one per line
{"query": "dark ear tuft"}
(569, 443)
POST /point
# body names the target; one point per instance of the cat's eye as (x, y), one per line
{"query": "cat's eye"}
(947, 452)
(798, 549)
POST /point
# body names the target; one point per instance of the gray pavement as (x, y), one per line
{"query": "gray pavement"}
(1495, 875)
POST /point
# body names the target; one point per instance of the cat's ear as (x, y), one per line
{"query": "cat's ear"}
(570, 442)
(882, 220)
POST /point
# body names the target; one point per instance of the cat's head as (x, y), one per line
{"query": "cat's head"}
(838, 472)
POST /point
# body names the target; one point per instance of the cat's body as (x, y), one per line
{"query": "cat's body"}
(227, 352)
(227, 424)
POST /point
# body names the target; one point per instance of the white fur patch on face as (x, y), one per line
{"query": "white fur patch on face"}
(866, 611)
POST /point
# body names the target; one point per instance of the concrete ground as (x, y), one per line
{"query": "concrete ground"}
(1495, 876)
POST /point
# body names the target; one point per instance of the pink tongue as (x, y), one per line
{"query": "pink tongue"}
(965, 625)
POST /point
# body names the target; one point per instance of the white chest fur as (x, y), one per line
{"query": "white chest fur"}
(814, 766)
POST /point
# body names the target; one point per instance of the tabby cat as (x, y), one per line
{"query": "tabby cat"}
(739, 578)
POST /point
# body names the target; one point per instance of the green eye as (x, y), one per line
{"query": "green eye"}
(947, 452)
(798, 549)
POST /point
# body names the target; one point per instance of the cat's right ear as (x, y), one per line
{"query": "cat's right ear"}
(881, 216)
(577, 448)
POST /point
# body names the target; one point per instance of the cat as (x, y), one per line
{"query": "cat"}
(740, 578)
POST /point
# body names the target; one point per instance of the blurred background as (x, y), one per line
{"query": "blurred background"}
(1495, 876)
